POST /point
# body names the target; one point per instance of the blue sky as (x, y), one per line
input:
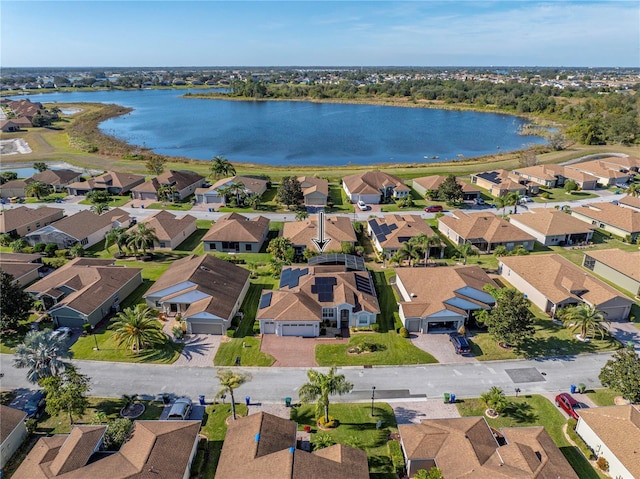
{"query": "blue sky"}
(306, 33)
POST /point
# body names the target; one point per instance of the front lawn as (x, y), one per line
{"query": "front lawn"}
(534, 410)
(186, 206)
(603, 397)
(341, 203)
(357, 429)
(11, 338)
(215, 428)
(559, 194)
(396, 350)
(247, 348)
(114, 201)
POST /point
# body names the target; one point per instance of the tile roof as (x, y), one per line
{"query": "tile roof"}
(401, 228)
(551, 222)
(56, 177)
(626, 262)
(337, 228)
(559, 280)
(9, 419)
(626, 219)
(236, 227)
(619, 429)
(486, 226)
(372, 182)
(166, 225)
(16, 217)
(434, 182)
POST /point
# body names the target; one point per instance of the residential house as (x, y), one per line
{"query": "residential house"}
(315, 295)
(57, 179)
(13, 432)
(629, 201)
(485, 231)
(553, 227)
(170, 230)
(22, 122)
(548, 176)
(20, 221)
(390, 232)
(14, 188)
(442, 299)
(85, 290)
(622, 222)
(84, 227)
(25, 268)
(266, 446)
(607, 174)
(216, 193)
(620, 267)
(468, 447)
(9, 126)
(622, 163)
(234, 233)
(613, 432)
(315, 191)
(183, 182)
(501, 182)
(338, 231)
(429, 183)
(552, 282)
(114, 182)
(374, 187)
(162, 449)
(205, 291)
(583, 179)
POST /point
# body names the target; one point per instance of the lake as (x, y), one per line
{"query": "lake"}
(300, 133)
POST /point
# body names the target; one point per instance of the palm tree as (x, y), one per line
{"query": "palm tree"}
(495, 399)
(320, 386)
(99, 208)
(137, 328)
(117, 236)
(167, 193)
(301, 215)
(43, 354)
(633, 190)
(466, 249)
(236, 188)
(230, 381)
(254, 201)
(18, 245)
(409, 251)
(221, 167)
(586, 318)
(37, 189)
(142, 237)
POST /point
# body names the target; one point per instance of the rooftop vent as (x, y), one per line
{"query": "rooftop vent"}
(204, 268)
(258, 437)
(292, 450)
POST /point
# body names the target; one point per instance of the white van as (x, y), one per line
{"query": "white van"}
(181, 409)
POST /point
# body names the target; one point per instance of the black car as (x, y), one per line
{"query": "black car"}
(35, 405)
(460, 343)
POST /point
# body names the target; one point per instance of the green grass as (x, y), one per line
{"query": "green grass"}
(603, 397)
(11, 338)
(186, 206)
(193, 242)
(534, 410)
(397, 351)
(52, 198)
(341, 203)
(357, 426)
(114, 201)
(558, 194)
(215, 428)
(248, 348)
(204, 224)
(250, 308)
(419, 203)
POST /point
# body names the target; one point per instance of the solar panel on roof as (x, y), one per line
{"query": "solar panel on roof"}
(265, 300)
(393, 227)
(325, 297)
(384, 227)
(363, 284)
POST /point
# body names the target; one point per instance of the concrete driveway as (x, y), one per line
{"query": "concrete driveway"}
(199, 350)
(290, 351)
(439, 346)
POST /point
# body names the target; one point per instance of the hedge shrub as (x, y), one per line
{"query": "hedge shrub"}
(397, 458)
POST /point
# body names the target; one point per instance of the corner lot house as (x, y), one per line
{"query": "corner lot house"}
(85, 290)
(234, 233)
(467, 447)
(500, 183)
(154, 449)
(115, 182)
(170, 230)
(315, 191)
(485, 231)
(85, 227)
(553, 227)
(206, 291)
(315, 295)
(183, 182)
(337, 229)
(57, 179)
(265, 446)
(25, 268)
(552, 282)
(12, 432)
(620, 267)
(613, 432)
(390, 232)
(22, 220)
(216, 193)
(374, 187)
(427, 183)
(607, 174)
(622, 222)
(441, 299)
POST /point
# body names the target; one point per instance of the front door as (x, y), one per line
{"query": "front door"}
(344, 318)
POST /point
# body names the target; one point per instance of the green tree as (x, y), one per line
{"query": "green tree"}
(465, 250)
(633, 190)
(510, 321)
(142, 238)
(37, 189)
(40, 166)
(155, 165)
(254, 201)
(116, 433)
(42, 354)
(99, 208)
(289, 192)
(281, 250)
(450, 190)
(433, 473)
(320, 387)
(67, 392)
(77, 251)
(5, 239)
(410, 252)
(301, 214)
(500, 251)
(221, 168)
(570, 186)
(17, 246)
(585, 318)
(137, 328)
(167, 193)
(117, 236)
(15, 302)
(622, 373)
(229, 382)
(8, 176)
(98, 197)
(495, 399)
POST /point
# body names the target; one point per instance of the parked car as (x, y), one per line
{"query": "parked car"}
(62, 332)
(525, 199)
(568, 404)
(362, 205)
(460, 343)
(35, 405)
(478, 201)
(181, 409)
(434, 209)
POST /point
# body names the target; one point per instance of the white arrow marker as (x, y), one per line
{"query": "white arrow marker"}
(320, 242)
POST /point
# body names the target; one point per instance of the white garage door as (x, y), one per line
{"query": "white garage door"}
(206, 328)
(293, 329)
(269, 327)
(616, 314)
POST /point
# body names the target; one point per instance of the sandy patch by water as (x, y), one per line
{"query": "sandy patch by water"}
(14, 147)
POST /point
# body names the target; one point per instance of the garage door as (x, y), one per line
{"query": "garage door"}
(616, 314)
(206, 328)
(269, 327)
(413, 325)
(306, 330)
(69, 322)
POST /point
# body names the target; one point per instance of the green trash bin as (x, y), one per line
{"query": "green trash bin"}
(287, 402)
(447, 398)
(582, 387)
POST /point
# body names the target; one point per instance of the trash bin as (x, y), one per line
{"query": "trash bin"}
(307, 429)
(452, 398)
(572, 388)
(582, 388)
(287, 402)
(201, 398)
(247, 400)
(142, 206)
(447, 398)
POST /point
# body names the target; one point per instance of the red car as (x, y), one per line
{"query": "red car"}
(434, 209)
(567, 403)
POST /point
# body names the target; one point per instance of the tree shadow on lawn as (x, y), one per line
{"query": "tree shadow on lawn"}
(164, 354)
(552, 346)
(522, 413)
(303, 416)
(192, 241)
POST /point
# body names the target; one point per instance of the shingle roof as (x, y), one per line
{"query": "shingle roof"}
(401, 229)
(599, 168)
(372, 182)
(167, 226)
(485, 226)
(181, 179)
(434, 182)
(542, 172)
(551, 222)
(56, 177)
(85, 222)
(501, 178)
(235, 227)
(631, 201)
(626, 262)
(251, 184)
(311, 184)
(625, 219)
(337, 228)
(110, 179)
(9, 419)
(16, 217)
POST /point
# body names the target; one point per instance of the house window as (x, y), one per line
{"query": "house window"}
(28, 228)
(601, 225)
(38, 224)
(84, 241)
(247, 247)
(328, 313)
(589, 262)
(363, 321)
(162, 244)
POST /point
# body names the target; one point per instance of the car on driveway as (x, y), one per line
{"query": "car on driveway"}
(434, 209)
(62, 333)
(181, 409)
(460, 343)
(362, 206)
(35, 405)
(568, 404)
